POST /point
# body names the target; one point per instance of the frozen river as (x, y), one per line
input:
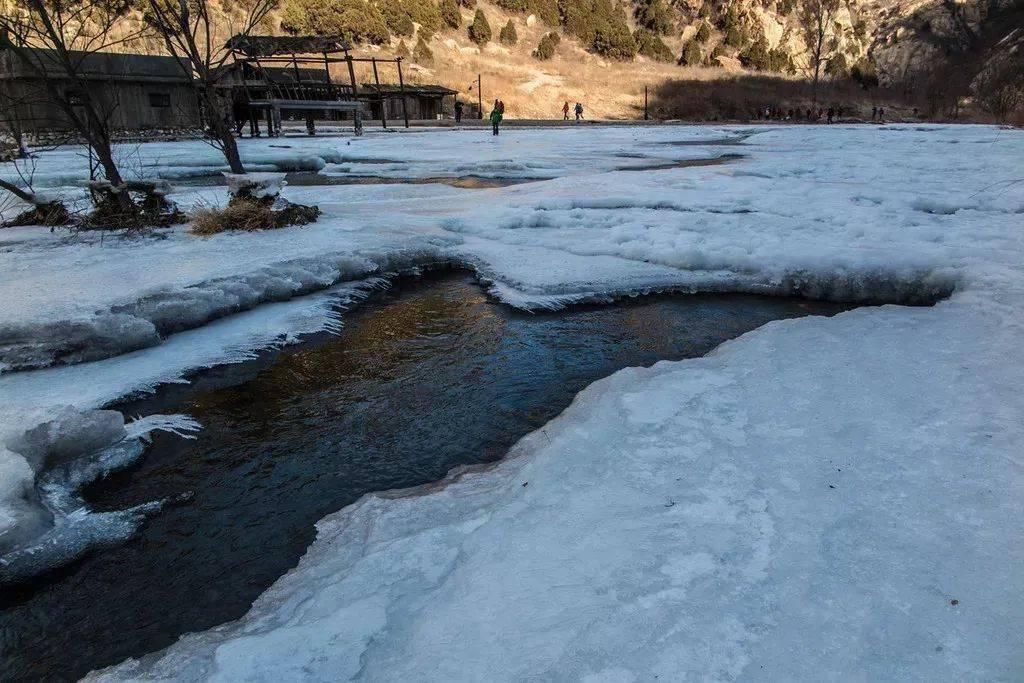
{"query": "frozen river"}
(846, 487)
(422, 379)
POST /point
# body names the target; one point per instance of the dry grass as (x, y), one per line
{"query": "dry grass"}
(240, 215)
(610, 90)
(248, 216)
(533, 89)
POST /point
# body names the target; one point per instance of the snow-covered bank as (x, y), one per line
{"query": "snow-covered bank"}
(680, 519)
(43, 522)
(807, 503)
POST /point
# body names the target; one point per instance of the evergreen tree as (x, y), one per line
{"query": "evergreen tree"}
(655, 16)
(426, 14)
(450, 14)
(480, 30)
(546, 11)
(650, 45)
(757, 56)
(357, 21)
(837, 66)
(735, 36)
(546, 49)
(396, 17)
(508, 35)
(703, 34)
(613, 40)
(422, 54)
(691, 54)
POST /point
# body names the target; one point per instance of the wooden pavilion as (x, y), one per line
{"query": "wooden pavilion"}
(276, 75)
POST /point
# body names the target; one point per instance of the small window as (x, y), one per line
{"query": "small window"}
(159, 99)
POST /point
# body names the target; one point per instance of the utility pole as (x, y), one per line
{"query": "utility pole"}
(479, 97)
(645, 103)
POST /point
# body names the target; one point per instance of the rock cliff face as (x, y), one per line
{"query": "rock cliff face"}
(912, 38)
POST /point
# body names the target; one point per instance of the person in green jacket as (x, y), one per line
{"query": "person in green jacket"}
(496, 116)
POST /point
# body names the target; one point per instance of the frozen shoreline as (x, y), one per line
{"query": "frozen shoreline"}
(917, 407)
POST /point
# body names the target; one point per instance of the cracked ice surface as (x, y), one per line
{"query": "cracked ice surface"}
(804, 503)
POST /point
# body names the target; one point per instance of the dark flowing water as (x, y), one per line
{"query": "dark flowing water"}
(424, 377)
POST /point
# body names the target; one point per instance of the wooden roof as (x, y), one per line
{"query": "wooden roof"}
(393, 89)
(269, 46)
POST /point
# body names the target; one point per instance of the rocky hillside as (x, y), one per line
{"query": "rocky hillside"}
(536, 54)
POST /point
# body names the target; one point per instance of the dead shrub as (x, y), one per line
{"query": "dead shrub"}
(247, 216)
(51, 215)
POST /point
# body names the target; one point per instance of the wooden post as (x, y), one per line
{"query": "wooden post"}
(401, 89)
(352, 76)
(645, 103)
(380, 94)
(479, 97)
(357, 119)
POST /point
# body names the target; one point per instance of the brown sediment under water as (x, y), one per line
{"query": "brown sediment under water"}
(423, 377)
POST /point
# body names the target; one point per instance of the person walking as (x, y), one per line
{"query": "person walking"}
(565, 111)
(831, 114)
(458, 111)
(579, 111)
(496, 117)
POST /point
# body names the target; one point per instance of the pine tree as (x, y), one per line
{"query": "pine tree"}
(691, 54)
(508, 35)
(546, 11)
(480, 30)
(546, 49)
(650, 45)
(450, 14)
(655, 16)
(422, 54)
(758, 57)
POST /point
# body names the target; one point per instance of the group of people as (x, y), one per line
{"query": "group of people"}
(810, 114)
(578, 110)
(829, 115)
(498, 114)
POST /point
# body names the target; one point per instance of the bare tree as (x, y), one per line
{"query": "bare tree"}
(817, 22)
(999, 88)
(53, 41)
(197, 39)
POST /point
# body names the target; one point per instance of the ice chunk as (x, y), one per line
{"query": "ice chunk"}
(68, 435)
(48, 524)
(22, 516)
